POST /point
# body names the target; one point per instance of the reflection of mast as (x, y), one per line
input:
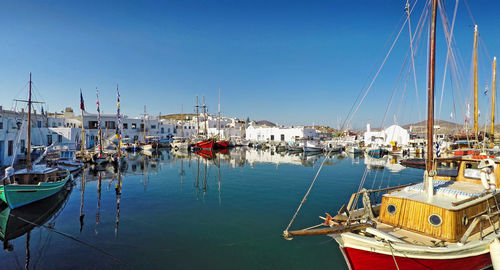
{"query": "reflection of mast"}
(205, 180)
(99, 182)
(219, 178)
(144, 172)
(28, 255)
(196, 185)
(182, 171)
(82, 187)
(118, 190)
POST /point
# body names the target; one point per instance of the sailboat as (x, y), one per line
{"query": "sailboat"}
(206, 143)
(35, 182)
(220, 143)
(449, 220)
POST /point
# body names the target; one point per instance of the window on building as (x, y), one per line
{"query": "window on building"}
(10, 148)
(22, 147)
(282, 137)
(92, 124)
(153, 126)
(110, 124)
(134, 126)
(272, 137)
(162, 130)
(49, 139)
(39, 123)
(142, 127)
(59, 138)
(168, 130)
(125, 125)
(1, 125)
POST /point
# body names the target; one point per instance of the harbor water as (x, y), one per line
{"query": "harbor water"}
(188, 211)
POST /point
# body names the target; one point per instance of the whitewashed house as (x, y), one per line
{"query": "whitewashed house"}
(279, 134)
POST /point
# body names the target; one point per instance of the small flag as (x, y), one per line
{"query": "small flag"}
(82, 104)
(42, 110)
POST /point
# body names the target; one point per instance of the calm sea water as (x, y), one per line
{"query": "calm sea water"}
(181, 211)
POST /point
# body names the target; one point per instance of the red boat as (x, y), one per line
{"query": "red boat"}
(205, 144)
(221, 144)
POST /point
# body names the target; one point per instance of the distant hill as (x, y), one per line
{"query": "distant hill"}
(265, 123)
(441, 123)
(178, 116)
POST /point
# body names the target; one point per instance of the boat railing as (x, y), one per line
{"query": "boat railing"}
(479, 220)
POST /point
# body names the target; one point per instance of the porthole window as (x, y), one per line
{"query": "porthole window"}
(391, 209)
(435, 220)
(465, 220)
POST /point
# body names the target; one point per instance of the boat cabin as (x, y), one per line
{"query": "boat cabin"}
(37, 175)
(459, 198)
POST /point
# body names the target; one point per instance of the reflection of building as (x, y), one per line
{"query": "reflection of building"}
(389, 162)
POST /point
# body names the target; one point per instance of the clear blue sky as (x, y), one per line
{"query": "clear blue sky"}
(291, 62)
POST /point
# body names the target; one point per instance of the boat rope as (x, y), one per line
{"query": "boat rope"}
(285, 232)
(449, 37)
(392, 253)
(51, 229)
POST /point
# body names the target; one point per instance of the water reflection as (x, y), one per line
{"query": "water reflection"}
(17, 222)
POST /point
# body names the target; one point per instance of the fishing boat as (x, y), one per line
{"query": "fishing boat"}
(180, 144)
(35, 182)
(311, 146)
(206, 143)
(449, 220)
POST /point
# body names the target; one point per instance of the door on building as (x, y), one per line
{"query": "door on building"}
(1, 152)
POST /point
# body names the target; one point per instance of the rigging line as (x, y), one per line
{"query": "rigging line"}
(285, 232)
(413, 63)
(470, 13)
(394, 90)
(376, 75)
(449, 36)
(370, 74)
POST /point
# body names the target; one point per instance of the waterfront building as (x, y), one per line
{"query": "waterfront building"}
(393, 133)
(279, 134)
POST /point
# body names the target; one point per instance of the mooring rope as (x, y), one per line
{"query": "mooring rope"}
(72, 238)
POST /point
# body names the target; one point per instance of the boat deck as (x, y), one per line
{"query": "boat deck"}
(446, 194)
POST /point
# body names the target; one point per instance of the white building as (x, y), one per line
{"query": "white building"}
(393, 133)
(279, 134)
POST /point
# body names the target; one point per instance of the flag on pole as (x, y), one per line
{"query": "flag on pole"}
(82, 104)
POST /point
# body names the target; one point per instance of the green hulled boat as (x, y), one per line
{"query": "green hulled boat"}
(27, 186)
(35, 182)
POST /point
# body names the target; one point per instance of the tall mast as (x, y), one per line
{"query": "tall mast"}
(197, 118)
(118, 122)
(28, 153)
(475, 81)
(144, 123)
(182, 121)
(82, 108)
(430, 105)
(99, 131)
(218, 116)
(492, 131)
(205, 117)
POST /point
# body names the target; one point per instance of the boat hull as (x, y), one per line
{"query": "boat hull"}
(358, 259)
(18, 195)
(221, 144)
(208, 144)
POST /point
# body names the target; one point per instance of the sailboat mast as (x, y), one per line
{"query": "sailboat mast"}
(82, 108)
(218, 116)
(144, 123)
(492, 131)
(182, 121)
(197, 118)
(28, 153)
(118, 122)
(430, 105)
(99, 131)
(475, 82)
(205, 116)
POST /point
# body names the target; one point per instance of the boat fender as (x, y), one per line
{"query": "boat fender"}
(8, 172)
(495, 254)
(487, 168)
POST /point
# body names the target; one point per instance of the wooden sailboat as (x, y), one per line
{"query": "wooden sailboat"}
(220, 143)
(35, 182)
(448, 221)
(206, 143)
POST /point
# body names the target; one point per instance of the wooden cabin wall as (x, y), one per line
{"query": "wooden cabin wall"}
(414, 216)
